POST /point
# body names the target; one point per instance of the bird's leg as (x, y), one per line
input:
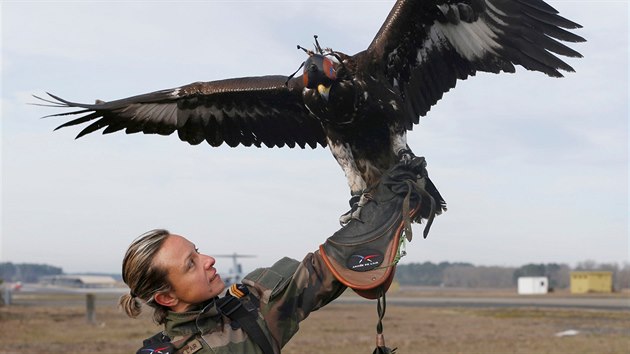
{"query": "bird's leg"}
(347, 217)
(343, 155)
(400, 147)
(356, 204)
(358, 199)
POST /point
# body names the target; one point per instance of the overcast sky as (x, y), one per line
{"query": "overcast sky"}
(533, 169)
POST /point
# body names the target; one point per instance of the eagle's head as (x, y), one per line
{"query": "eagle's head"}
(319, 73)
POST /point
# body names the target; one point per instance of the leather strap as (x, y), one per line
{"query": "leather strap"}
(233, 308)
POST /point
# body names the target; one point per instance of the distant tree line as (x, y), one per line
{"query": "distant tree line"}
(559, 274)
(25, 272)
(470, 276)
(427, 273)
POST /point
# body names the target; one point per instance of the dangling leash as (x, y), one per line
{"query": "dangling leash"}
(380, 338)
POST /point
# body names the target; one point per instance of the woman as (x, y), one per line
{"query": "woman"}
(167, 272)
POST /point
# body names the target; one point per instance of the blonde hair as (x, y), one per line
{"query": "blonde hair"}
(143, 277)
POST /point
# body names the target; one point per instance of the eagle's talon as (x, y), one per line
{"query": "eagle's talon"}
(406, 156)
(354, 200)
(345, 219)
(356, 204)
(356, 215)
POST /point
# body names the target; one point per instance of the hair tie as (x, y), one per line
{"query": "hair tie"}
(133, 295)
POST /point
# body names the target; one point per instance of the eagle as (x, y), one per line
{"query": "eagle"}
(360, 106)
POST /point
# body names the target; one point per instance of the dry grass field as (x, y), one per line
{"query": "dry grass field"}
(60, 326)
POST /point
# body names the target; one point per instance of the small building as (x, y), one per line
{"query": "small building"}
(591, 282)
(80, 281)
(533, 285)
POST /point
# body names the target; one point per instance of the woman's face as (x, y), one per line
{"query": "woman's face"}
(191, 274)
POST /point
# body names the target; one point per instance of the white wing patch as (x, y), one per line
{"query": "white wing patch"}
(471, 40)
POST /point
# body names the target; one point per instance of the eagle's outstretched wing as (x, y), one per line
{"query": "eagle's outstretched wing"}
(248, 111)
(425, 46)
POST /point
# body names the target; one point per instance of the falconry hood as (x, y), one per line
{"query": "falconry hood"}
(319, 70)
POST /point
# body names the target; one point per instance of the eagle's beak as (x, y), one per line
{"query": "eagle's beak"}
(323, 91)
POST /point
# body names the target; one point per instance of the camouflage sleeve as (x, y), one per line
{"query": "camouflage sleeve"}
(289, 290)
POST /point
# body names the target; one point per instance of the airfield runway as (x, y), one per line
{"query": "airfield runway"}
(596, 303)
(46, 295)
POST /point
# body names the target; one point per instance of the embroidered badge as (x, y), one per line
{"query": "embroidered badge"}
(192, 347)
(159, 350)
(364, 260)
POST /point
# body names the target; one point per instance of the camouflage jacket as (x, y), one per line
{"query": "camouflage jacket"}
(285, 294)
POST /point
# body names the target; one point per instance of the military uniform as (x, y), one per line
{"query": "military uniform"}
(283, 295)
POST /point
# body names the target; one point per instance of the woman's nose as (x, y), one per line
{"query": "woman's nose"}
(209, 262)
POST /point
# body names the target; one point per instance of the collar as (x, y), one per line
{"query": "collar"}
(201, 320)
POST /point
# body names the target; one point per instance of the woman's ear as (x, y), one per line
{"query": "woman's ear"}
(166, 298)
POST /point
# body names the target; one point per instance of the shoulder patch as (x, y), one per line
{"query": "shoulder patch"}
(286, 266)
(272, 280)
